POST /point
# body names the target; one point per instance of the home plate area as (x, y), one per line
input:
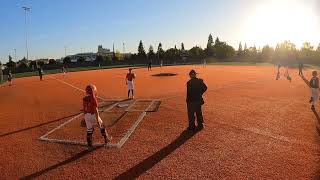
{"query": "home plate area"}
(121, 117)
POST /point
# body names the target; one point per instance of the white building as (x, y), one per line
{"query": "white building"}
(103, 51)
(88, 57)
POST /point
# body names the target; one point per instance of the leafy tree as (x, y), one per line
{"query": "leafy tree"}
(81, 59)
(23, 65)
(223, 50)
(267, 52)
(196, 53)
(40, 63)
(210, 50)
(307, 49)
(210, 42)
(183, 53)
(151, 54)
(66, 60)
(284, 53)
(160, 51)
(99, 59)
(217, 42)
(318, 52)
(240, 49)
(52, 61)
(182, 47)
(33, 65)
(141, 51)
(108, 59)
(253, 51)
(10, 64)
(171, 54)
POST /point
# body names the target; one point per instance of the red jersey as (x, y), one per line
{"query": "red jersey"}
(90, 104)
(130, 76)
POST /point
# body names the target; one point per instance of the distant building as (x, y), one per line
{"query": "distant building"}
(88, 57)
(103, 51)
(45, 61)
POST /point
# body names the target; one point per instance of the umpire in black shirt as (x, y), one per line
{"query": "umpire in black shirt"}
(195, 90)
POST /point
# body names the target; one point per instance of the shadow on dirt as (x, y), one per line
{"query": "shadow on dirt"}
(318, 120)
(152, 160)
(67, 161)
(42, 124)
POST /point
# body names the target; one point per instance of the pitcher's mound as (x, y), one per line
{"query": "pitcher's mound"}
(164, 74)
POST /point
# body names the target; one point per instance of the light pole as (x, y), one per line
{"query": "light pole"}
(15, 54)
(26, 9)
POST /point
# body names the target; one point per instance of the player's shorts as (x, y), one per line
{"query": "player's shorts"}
(130, 85)
(314, 95)
(90, 121)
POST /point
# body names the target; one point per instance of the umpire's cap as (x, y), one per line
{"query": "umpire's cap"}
(192, 72)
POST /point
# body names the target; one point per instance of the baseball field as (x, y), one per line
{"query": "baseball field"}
(256, 127)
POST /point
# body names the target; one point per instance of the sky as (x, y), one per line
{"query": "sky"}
(82, 25)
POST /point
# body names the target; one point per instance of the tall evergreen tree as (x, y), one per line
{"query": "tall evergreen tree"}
(217, 42)
(10, 58)
(210, 42)
(182, 47)
(160, 51)
(210, 50)
(240, 48)
(141, 51)
(151, 53)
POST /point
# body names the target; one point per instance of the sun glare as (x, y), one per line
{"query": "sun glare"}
(277, 21)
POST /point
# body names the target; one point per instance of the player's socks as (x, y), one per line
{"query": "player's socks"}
(106, 138)
(312, 107)
(89, 139)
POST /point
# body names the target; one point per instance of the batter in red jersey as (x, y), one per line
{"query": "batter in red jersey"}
(129, 82)
(91, 114)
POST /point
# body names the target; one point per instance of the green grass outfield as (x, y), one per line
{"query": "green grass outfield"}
(239, 64)
(55, 71)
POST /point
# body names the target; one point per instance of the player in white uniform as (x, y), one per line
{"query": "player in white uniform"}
(129, 82)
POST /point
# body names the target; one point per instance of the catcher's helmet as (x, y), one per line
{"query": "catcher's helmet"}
(91, 89)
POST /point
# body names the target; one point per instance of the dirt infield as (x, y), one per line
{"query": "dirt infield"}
(255, 127)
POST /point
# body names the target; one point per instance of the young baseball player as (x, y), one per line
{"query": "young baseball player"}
(150, 65)
(91, 115)
(314, 86)
(40, 71)
(278, 73)
(64, 71)
(10, 78)
(287, 73)
(300, 69)
(129, 82)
